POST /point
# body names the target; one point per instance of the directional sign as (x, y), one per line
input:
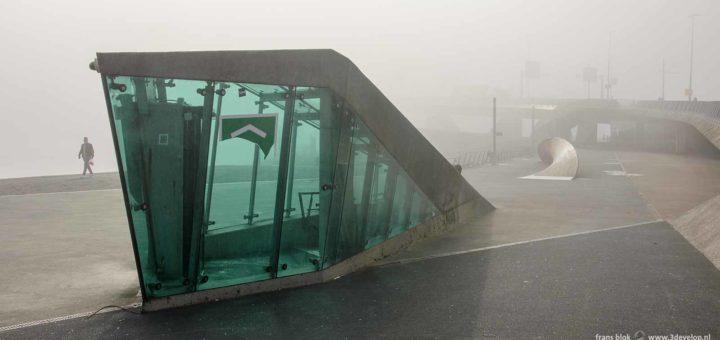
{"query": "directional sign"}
(259, 129)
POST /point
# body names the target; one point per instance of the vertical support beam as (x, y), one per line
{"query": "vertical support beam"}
(343, 186)
(291, 168)
(253, 180)
(200, 183)
(145, 157)
(123, 185)
(328, 150)
(211, 163)
(282, 178)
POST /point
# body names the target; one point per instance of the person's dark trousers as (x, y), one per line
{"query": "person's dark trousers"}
(87, 167)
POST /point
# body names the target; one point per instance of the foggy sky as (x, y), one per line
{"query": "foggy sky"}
(428, 57)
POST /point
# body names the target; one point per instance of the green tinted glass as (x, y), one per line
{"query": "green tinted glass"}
(160, 127)
(229, 183)
(311, 164)
(239, 243)
(378, 198)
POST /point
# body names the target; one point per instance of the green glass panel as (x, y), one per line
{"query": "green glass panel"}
(399, 215)
(202, 166)
(311, 164)
(239, 242)
(379, 200)
(160, 127)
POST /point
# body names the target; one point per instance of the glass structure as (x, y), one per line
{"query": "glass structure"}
(229, 183)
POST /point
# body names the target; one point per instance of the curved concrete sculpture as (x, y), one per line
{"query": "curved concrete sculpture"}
(561, 157)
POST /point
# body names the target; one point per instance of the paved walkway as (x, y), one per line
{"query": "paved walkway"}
(644, 278)
(530, 209)
(672, 184)
(557, 259)
(64, 253)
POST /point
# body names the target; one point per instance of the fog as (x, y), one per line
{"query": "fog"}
(431, 58)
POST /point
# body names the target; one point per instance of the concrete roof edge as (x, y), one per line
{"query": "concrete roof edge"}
(328, 68)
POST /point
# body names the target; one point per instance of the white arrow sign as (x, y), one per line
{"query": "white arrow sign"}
(247, 128)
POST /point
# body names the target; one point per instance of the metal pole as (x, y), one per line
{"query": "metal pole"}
(213, 153)
(291, 169)
(662, 93)
(280, 193)
(532, 128)
(692, 48)
(253, 180)
(494, 136)
(197, 239)
(609, 77)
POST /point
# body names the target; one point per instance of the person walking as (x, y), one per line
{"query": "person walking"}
(87, 153)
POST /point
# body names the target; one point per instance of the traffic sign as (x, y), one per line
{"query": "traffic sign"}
(258, 129)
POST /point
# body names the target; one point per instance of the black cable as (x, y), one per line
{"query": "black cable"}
(112, 306)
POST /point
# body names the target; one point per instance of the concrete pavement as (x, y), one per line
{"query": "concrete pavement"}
(514, 273)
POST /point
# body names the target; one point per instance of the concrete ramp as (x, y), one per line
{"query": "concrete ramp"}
(561, 158)
(701, 226)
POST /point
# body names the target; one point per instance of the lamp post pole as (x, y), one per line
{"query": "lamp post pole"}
(692, 51)
(662, 93)
(532, 128)
(609, 77)
(494, 132)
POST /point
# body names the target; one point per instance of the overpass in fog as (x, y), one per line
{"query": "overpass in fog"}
(679, 127)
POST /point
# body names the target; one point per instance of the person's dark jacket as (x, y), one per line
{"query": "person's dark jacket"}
(86, 151)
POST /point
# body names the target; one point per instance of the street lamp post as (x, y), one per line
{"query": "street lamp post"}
(609, 78)
(692, 50)
(494, 132)
(662, 93)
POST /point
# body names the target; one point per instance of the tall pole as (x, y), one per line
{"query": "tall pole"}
(609, 77)
(692, 47)
(532, 128)
(494, 130)
(662, 93)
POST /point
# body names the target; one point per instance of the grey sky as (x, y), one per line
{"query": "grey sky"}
(420, 53)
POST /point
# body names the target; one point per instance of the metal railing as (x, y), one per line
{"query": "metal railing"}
(708, 109)
(471, 159)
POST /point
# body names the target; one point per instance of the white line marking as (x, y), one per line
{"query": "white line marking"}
(551, 178)
(401, 261)
(63, 318)
(475, 250)
(57, 192)
(118, 189)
